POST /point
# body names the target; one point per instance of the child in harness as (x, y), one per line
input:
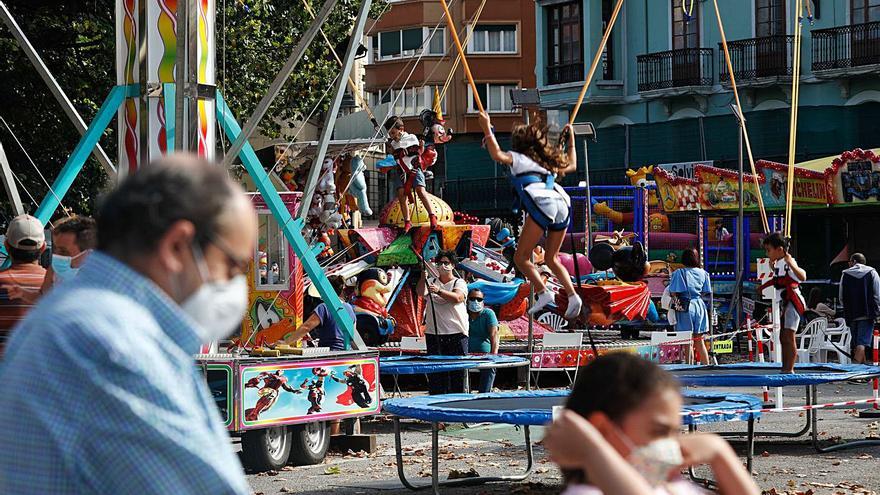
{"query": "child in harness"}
(412, 158)
(534, 165)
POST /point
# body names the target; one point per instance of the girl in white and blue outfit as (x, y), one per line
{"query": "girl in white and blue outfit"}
(534, 165)
(691, 284)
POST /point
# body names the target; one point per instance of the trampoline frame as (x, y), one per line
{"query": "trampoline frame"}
(476, 362)
(811, 425)
(436, 483)
(435, 463)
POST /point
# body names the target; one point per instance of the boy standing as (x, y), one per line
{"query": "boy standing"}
(408, 153)
(787, 277)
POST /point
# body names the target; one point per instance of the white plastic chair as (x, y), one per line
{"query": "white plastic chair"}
(555, 342)
(553, 320)
(836, 339)
(810, 339)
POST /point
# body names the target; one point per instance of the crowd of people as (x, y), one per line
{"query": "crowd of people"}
(163, 271)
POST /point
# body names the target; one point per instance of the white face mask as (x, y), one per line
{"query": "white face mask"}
(217, 307)
(656, 459)
(475, 306)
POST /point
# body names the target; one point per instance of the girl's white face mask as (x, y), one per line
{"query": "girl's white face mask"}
(654, 460)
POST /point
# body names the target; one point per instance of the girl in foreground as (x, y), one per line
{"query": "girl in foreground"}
(534, 165)
(619, 434)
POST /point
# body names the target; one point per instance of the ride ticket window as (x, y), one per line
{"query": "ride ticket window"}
(271, 266)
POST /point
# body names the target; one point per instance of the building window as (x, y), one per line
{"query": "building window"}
(405, 43)
(437, 45)
(564, 43)
(493, 38)
(271, 263)
(864, 11)
(409, 102)
(685, 34)
(608, 54)
(769, 18)
(495, 97)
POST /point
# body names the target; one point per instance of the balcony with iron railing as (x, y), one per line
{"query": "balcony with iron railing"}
(676, 71)
(758, 61)
(845, 50)
(565, 73)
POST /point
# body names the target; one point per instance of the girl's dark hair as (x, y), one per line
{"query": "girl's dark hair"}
(532, 141)
(775, 240)
(615, 384)
(448, 254)
(690, 258)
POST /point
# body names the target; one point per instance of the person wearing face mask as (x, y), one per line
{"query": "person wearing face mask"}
(446, 332)
(328, 333)
(72, 240)
(482, 334)
(619, 434)
(122, 395)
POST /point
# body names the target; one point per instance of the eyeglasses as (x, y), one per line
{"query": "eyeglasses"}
(478, 299)
(237, 266)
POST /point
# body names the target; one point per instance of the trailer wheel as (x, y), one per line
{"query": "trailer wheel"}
(266, 449)
(310, 442)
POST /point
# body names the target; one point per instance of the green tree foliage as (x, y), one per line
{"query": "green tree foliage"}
(77, 41)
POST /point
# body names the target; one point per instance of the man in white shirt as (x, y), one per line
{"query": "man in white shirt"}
(446, 332)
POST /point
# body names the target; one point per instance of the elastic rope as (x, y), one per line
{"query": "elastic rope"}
(467, 40)
(595, 63)
(742, 120)
(795, 94)
(26, 154)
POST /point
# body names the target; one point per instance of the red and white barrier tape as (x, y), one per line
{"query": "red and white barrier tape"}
(785, 409)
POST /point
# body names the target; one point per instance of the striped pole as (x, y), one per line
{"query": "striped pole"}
(874, 412)
(751, 336)
(765, 390)
(783, 409)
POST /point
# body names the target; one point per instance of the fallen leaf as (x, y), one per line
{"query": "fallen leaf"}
(455, 474)
(332, 470)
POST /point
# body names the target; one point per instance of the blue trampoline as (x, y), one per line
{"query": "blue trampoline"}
(535, 408)
(768, 375)
(423, 365)
(808, 375)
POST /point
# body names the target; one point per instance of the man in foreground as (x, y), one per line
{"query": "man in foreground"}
(98, 389)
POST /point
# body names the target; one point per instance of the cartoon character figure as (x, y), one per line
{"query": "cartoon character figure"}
(269, 392)
(360, 389)
(374, 289)
(434, 131)
(658, 222)
(324, 206)
(860, 181)
(374, 322)
(777, 185)
(315, 386)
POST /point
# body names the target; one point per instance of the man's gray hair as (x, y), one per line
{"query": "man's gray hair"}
(134, 216)
(858, 258)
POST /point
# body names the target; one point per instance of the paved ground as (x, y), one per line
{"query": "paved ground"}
(781, 466)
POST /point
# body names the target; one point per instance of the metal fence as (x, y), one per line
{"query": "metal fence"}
(846, 46)
(676, 69)
(769, 56)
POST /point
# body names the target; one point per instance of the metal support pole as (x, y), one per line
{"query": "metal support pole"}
(191, 81)
(588, 198)
(180, 74)
(53, 85)
(333, 111)
(741, 236)
(298, 51)
(9, 184)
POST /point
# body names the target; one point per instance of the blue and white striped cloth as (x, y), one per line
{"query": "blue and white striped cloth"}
(99, 394)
